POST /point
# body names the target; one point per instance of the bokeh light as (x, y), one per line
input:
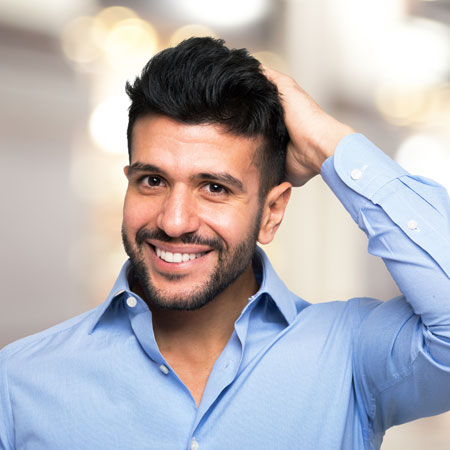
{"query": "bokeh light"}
(109, 17)
(405, 105)
(401, 105)
(79, 42)
(225, 13)
(188, 31)
(116, 38)
(415, 53)
(426, 155)
(437, 112)
(130, 44)
(108, 125)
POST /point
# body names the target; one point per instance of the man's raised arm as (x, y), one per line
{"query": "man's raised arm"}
(402, 358)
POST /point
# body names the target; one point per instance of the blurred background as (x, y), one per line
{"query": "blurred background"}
(382, 66)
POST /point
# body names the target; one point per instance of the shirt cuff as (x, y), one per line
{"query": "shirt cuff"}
(361, 165)
(360, 174)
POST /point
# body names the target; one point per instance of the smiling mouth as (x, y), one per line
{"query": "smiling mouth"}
(176, 257)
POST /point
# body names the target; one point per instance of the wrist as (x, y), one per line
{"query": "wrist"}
(323, 145)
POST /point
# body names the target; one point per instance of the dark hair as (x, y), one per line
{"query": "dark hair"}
(202, 81)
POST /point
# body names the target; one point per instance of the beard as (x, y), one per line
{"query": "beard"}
(231, 263)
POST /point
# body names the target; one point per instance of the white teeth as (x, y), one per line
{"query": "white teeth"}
(176, 257)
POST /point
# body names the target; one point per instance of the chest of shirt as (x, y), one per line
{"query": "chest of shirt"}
(296, 391)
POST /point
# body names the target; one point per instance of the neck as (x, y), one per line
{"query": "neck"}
(206, 330)
(191, 341)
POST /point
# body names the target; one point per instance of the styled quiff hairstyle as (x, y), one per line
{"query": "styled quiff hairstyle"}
(201, 81)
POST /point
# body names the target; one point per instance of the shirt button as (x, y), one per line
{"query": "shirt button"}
(356, 174)
(412, 225)
(164, 369)
(131, 302)
(194, 445)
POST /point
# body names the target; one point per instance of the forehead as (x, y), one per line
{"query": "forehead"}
(161, 140)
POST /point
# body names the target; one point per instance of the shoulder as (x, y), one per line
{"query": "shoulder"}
(355, 309)
(60, 336)
(340, 319)
(362, 311)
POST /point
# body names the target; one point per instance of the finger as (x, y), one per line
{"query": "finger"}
(271, 73)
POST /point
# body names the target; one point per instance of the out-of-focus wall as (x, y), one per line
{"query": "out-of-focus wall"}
(383, 67)
(42, 109)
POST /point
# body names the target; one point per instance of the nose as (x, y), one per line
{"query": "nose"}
(178, 214)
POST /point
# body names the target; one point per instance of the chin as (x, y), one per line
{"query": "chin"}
(180, 302)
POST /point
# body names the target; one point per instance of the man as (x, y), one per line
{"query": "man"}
(200, 345)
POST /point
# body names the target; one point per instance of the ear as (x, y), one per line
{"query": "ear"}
(273, 211)
(125, 170)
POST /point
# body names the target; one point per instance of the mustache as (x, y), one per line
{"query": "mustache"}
(188, 238)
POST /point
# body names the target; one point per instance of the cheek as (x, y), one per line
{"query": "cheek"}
(231, 223)
(136, 213)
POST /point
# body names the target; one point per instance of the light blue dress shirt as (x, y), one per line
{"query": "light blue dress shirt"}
(292, 376)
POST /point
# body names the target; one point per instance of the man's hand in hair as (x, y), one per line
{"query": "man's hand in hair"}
(314, 134)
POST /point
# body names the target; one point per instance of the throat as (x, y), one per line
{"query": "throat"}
(193, 361)
(193, 373)
(192, 341)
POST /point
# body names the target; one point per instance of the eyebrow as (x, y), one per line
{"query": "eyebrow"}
(141, 167)
(221, 177)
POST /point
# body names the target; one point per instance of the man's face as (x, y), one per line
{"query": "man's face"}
(192, 211)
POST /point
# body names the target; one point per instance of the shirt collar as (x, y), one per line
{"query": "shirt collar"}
(271, 285)
(121, 287)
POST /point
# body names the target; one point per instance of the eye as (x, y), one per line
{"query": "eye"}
(214, 188)
(152, 181)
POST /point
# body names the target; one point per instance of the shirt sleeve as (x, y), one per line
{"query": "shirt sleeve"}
(6, 425)
(402, 354)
